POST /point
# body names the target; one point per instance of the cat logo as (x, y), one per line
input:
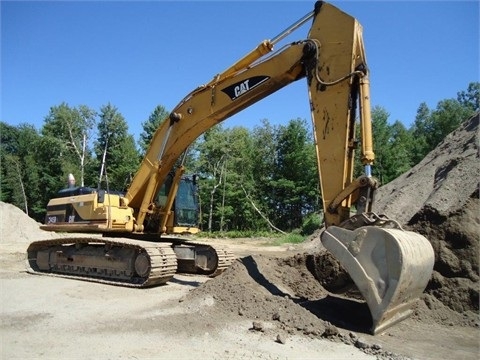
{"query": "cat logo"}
(242, 88)
(236, 90)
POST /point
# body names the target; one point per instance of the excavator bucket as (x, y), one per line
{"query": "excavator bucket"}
(390, 267)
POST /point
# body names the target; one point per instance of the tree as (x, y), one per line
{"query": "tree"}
(431, 126)
(381, 147)
(401, 147)
(21, 169)
(13, 188)
(447, 116)
(237, 212)
(262, 162)
(150, 126)
(419, 132)
(294, 179)
(50, 155)
(392, 145)
(121, 155)
(471, 97)
(225, 166)
(73, 126)
(211, 165)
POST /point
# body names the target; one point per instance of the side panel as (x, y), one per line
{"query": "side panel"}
(84, 213)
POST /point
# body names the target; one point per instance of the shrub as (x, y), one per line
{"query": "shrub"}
(311, 223)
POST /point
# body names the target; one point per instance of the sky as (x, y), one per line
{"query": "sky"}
(137, 55)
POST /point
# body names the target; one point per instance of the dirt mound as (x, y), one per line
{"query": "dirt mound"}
(437, 198)
(444, 180)
(284, 298)
(18, 227)
(267, 289)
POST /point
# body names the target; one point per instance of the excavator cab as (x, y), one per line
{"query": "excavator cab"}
(185, 207)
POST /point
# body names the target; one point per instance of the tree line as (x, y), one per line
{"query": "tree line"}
(249, 179)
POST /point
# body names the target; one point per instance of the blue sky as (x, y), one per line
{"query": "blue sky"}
(137, 55)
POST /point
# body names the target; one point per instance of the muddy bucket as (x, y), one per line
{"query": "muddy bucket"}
(390, 267)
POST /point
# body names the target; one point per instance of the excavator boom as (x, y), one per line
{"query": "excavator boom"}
(390, 266)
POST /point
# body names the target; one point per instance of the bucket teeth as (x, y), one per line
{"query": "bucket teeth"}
(390, 267)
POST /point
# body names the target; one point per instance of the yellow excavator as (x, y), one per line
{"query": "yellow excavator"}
(391, 267)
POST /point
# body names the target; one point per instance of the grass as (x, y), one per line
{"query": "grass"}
(291, 238)
(236, 234)
(275, 239)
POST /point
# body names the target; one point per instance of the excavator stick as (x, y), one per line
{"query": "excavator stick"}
(390, 267)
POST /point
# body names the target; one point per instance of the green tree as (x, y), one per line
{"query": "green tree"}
(381, 143)
(73, 127)
(150, 126)
(229, 162)
(401, 147)
(212, 150)
(263, 162)
(471, 97)
(12, 185)
(50, 154)
(392, 145)
(116, 154)
(237, 213)
(431, 126)
(447, 116)
(22, 169)
(295, 179)
(419, 132)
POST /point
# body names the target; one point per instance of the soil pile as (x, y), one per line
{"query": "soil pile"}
(283, 298)
(17, 227)
(438, 198)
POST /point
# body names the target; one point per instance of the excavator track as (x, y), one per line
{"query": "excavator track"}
(123, 262)
(199, 258)
(225, 259)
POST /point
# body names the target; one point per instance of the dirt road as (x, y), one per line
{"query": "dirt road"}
(53, 318)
